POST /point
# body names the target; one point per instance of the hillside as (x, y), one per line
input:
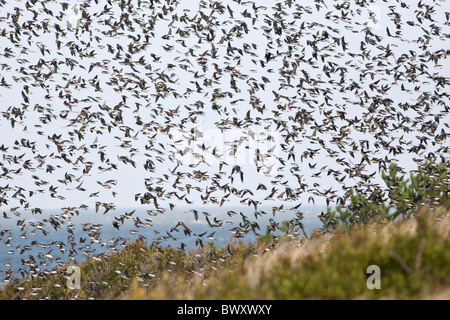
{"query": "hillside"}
(412, 255)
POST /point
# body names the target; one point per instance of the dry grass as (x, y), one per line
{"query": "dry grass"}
(413, 257)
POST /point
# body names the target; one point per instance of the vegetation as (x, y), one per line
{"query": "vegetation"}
(412, 254)
(428, 187)
(286, 234)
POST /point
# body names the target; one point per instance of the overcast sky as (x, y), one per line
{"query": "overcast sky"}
(131, 180)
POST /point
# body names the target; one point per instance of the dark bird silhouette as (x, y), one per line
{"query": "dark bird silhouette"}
(230, 104)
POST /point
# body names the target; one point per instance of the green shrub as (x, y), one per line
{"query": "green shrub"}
(266, 239)
(429, 186)
(286, 234)
(413, 257)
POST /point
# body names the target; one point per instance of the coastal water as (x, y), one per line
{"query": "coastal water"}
(93, 233)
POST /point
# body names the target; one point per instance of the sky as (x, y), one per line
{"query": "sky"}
(214, 111)
(131, 180)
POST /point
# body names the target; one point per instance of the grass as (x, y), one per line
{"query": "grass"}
(412, 254)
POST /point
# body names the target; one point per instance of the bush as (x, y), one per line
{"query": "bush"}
(287, 233)
(428, 187)
(412, 255)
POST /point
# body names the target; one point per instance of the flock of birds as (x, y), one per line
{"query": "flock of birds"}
(322, 95)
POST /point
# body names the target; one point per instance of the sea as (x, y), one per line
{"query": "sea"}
(94, 233)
